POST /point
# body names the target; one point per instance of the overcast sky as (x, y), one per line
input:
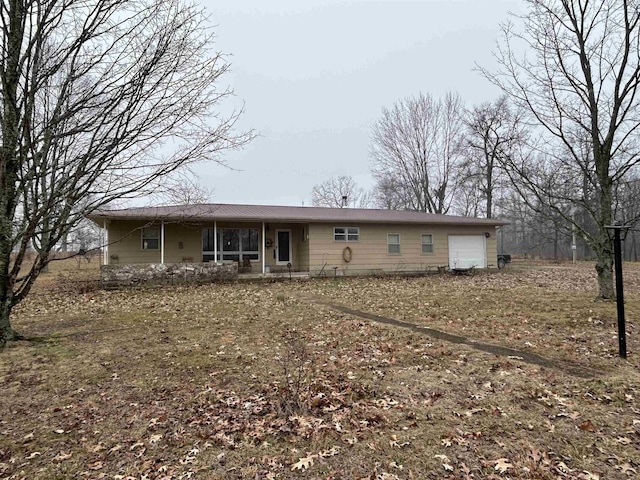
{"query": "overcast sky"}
(314, 75)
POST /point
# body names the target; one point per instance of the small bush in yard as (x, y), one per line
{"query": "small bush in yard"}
(295, 362)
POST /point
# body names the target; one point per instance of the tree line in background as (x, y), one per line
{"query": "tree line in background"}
(474, 178)
(557, 154)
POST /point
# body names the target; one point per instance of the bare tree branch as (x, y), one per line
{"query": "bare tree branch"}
(334, 191)
(417, 145)
(101, 101)
(494, 132)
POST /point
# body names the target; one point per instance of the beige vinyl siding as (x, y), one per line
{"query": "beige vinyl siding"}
(302, 250)
(191, 238)
(125, 238)
(492, 248)
(369, 254)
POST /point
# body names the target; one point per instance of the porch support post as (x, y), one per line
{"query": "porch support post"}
(215, 242)
(263, 249)
(162, 243)
(105, 246)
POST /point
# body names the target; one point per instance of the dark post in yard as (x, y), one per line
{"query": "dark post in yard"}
(617, 252)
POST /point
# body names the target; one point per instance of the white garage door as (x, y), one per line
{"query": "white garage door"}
(466, 251)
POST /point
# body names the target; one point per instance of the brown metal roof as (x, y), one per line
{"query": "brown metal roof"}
(272, 213)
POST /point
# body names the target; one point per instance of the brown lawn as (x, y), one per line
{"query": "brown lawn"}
(268, 381)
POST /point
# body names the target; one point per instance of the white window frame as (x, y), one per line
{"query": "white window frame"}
(241, 252)
(351, 234)
(423, 244)
(143, 239)
(399, 252)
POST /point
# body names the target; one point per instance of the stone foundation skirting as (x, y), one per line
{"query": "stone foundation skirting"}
(114, 276)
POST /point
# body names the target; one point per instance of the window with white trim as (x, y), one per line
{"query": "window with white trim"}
(427, 243)
(346, 234)
(151, 238)
(393, 243)
(233, 243)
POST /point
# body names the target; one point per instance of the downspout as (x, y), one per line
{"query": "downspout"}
(105, 247)
(162, 243)
(263, 247)
(215, 242)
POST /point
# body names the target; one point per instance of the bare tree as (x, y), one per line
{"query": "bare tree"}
(494, 131)
(579, 81)
(391, 194)
(90, 91)
(417, 144)
(334, 192)
(533, 230)
(85, 237)
(469, 200)
(184, 189)
(84, 242)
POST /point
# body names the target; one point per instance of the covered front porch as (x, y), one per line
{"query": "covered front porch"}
(256, 247)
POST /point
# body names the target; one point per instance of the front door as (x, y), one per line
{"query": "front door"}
(283, 247)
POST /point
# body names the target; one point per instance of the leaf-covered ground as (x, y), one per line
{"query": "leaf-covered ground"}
(269, 381)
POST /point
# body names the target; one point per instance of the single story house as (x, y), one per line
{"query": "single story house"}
(321, 241)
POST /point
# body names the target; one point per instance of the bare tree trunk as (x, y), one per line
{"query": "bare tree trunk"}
(9, 165)
(6, 332)
(6, 286)
(604, 268)
(603, 245)
(489, 197)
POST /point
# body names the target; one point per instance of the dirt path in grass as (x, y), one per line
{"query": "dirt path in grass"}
(528, 357)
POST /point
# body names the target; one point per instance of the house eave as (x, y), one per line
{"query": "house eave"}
(282, 214)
